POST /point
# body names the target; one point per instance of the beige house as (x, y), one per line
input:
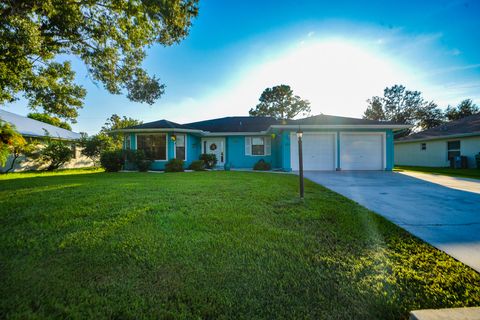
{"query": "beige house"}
(31, 128)
(435, 147)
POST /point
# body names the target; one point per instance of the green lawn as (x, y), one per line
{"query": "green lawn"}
(209, 245)
(466, 173)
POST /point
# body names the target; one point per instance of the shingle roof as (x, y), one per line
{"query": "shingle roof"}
(235, 124)
(324, 119)
(466, 126)
(33, 128)
(160, 124)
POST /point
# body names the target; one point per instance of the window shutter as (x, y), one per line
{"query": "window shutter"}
(248, 146)
(268, 146)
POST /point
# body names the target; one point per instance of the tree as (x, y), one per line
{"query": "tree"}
(92, 147)
(280, 103)
(109, 36)
(54, 121)
(9, 138)
(404, 106)
(464, 109)
(116, 122)
(56, 153)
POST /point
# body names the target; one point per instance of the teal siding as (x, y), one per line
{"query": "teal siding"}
(389, 150)
(285, 151)
(193, 151)
(236, 157)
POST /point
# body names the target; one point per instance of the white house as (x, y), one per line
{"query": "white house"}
(30, 128)
(434, 147)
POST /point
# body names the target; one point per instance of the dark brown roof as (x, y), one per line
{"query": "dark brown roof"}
(466, 126)
(160, 124)
(324, 119)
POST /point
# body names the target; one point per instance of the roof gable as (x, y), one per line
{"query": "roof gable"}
(160, 124)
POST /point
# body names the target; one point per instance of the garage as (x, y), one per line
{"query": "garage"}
(319, 151)
(362, 151)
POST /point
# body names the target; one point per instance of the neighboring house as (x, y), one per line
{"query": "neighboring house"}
(329, 142)
(434, 147)
(33, 129)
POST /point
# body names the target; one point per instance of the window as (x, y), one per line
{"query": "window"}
(154, 145)
(127, 142)
(180, 142)
(453, 149)
(257, 146)
(423, 146)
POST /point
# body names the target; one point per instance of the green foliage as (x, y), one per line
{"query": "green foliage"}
(92, 147)
(13, 144)
(464, 109)
(55, 153)
(262, 165)
(473, 173)
(109, 36)
(142, 160)
(209, 159)
(404, 106)
(116, 122)
(174, 165)
(112, 160)
(280, 102)
(191, 246)
(54, 121)
(197, 165)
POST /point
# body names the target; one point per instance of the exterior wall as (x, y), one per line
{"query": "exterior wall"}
(193, 149)
(26, 164)
(410, 153)
(235, 150)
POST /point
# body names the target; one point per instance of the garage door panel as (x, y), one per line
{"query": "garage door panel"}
(318, 151)
(361, 151)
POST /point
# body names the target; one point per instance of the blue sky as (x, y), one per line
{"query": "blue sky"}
(336, 54)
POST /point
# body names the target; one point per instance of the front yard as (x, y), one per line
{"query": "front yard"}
(473, 173)
(209, 245)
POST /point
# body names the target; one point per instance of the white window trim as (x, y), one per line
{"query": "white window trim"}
(265, 153)
(175, 147)
(152, 134)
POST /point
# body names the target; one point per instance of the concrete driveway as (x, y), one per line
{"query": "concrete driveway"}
(444, 214)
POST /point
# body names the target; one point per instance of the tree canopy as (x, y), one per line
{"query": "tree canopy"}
(280, 102)
(116, 122)
(464, 109)
(109, 36)
(404, 106)
(54, 121)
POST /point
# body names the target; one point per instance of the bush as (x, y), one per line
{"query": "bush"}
(139, 158)
(262, 165)
(197, 165)
(56, 153)
(174, 165)
(112, 160)
(210, 160)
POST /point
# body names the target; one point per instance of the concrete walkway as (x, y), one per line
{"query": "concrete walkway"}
(444, 215)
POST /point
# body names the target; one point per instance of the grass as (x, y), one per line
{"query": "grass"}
(209, 245)
(465, 173)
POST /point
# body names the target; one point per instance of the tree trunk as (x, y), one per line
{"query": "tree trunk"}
(15, 157)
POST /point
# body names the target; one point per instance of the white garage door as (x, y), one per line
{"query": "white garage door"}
(361, 151)
(318, 151)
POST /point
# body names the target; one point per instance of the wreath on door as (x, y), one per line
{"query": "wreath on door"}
(213, 147)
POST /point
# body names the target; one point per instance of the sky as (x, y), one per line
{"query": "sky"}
(336, 54)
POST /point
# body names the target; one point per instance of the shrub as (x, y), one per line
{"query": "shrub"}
(139, 158)
(210, 160)
(112, 160)
(56, 153)
(92, 147)
(262, 165)
(174, 165)
(197, 165)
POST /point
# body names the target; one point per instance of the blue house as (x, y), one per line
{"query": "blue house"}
(329, 142)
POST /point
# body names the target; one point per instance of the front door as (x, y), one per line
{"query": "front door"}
(215, 146)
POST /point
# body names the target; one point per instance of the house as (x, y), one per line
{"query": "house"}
(329, 142)
(434, 147)
(33, 129)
